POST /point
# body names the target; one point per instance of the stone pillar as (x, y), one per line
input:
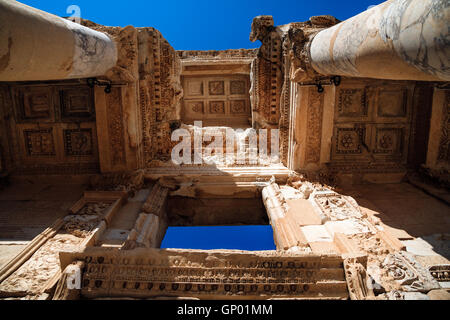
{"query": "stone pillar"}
(398, 40)
(312, 127)
(151, 225)
(287, 234)
(438, 155)
(36, 45)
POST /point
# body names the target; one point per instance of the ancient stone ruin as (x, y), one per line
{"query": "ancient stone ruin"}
(344, 151)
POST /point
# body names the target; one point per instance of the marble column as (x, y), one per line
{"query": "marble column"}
(36, 45)
(398, 40)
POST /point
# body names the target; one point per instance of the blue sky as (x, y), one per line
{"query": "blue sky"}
(206, 25)
(202, 24)
(251, 238)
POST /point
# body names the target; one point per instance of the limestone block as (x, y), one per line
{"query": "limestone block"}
(316, 234)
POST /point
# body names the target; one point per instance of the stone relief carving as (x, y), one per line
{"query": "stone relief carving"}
(160, 94)
(83, 222)
(314, 126)
(267, 71)
(440, 272)
(336, 207)
(357, 278)
(300, 35)
(238, 87)
(217, 88)
(349, 140)
(217, 107)
(116, 127)
(352, 103)
(389, 141)
(150, 273)
(40, 142)
(224, 103)
(53, 129)
(78, 142)
(234, 54)
(371, 127)
(409, 273)
(126, 181)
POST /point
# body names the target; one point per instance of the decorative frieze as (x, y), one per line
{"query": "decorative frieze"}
(267, 72)
(146, 273)
(160, 93)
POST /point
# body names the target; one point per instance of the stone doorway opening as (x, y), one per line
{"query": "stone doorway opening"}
(218, 223)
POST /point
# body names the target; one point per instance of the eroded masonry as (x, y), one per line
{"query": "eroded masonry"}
(358, 197)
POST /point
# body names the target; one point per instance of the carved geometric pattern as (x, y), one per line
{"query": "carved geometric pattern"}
(388, 140)
(76, 103)
(349, 141)
(237, 87)
(196, 107)
(217, 107)
(352, 103)
(238, 106)
(217, 88)
(392, 103)
(39, 142)
(78, 142)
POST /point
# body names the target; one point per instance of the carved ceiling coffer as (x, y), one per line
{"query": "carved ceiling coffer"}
(372, 124)
(53, 129)
(219, 101)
